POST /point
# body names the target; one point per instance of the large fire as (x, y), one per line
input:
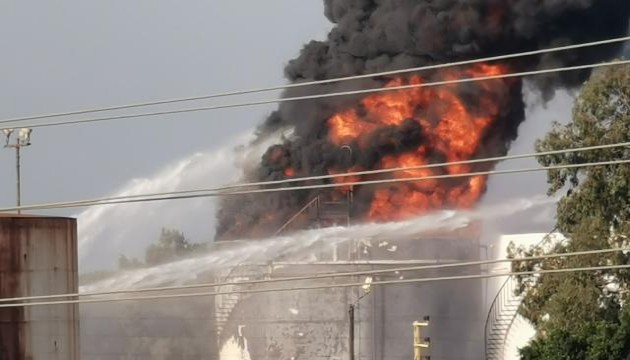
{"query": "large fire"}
(449, 127)
(413, 126)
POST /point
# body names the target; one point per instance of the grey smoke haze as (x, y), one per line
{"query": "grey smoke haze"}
(72, 54)
(374, 36)
(371, 36)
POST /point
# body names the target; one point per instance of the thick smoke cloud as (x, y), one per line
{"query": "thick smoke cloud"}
(379, 35)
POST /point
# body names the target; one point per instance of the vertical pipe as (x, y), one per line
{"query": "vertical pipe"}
(17, 171)
(317, 206)
(349, 207)
(353, 243)
(351, 331)
(485, 287)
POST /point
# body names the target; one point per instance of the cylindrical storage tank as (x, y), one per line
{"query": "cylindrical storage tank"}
(314, 324)
(38, 256)
(304, 324)
(455, 307)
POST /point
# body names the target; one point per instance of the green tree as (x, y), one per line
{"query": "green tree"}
(125, 263)
(570, 310)
(595, 340)
(171, 245)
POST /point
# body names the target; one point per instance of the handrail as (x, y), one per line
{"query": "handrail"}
(491, 310)
(500, 296)
(308, 205)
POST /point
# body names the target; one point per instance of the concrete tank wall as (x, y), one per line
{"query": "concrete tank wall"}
(169, 329)
(314, 324)
(305, 324)
(455, 307)
(38, 256)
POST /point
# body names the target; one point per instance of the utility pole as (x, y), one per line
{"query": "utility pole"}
(18, 177)
(418, 342)
(351, 331)
(367, 288)
(23, 139)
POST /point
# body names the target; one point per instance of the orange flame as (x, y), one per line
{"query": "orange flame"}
(448, 125)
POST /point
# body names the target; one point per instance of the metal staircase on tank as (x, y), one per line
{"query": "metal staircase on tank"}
(224, 303)
(501, 316)
(327, 209)
(334, 209)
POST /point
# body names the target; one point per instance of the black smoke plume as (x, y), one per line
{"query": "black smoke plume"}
(379, 35)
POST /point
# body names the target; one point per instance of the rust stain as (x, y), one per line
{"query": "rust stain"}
(29, 245)
(12, 344)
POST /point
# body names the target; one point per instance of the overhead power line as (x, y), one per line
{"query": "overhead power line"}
(319, 82)
(349, 174)
(328, 95)
(318, 287)
(318, 276)
(211, 193)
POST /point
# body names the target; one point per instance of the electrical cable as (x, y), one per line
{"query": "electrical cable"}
(320, 82)
(356, 173)
(319, 287)
(328, 95)
(211, 193)
(319, 276)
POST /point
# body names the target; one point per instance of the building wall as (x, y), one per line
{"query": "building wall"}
(38, 256)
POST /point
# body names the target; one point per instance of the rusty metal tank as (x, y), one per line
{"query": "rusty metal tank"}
(38, 256)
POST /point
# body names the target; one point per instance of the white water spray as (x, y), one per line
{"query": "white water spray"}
(301, 244)
(107, 231)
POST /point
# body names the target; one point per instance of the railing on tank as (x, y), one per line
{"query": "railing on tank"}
(309, 205)
(501, 316)
(503, 312)
(321, 211)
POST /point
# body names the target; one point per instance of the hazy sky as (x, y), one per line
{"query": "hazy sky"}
(69, 55)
